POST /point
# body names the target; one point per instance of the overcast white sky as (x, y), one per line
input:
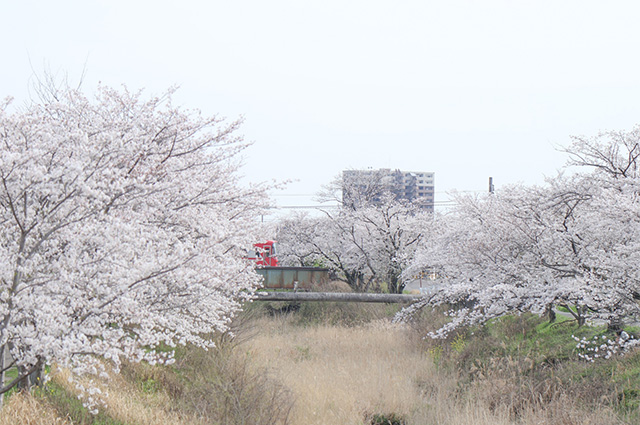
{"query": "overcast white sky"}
(466, 89)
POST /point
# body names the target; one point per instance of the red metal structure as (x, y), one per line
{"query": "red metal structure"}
(279, 277)
(265, 254)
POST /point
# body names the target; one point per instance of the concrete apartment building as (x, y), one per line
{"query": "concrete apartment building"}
(367, 186)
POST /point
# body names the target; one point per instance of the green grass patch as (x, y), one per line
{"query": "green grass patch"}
(568, 309)
(11, 374)
(68, 405)
(540, 361)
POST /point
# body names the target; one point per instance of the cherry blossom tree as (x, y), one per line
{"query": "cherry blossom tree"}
(615, 154)
(122, 228)
(331, 240)
(390, 232)
(366, 246)
(613, 157)
(572, 242)
(354, 189)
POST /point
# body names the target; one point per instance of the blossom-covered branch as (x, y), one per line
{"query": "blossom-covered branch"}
(122, 227)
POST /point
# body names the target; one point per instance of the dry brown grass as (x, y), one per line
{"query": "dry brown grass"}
(342, 374)
(332, 286)
(127, 403)
(227, 387)
(336, 374)
(347, 374)
(24, 409)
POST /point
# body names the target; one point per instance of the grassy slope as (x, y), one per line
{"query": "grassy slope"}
(344, 363)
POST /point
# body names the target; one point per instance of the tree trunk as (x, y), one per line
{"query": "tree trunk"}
(2, 374)
(582, 320)
(395, 285)
(615, 325)
(551, 313)
(32, 376)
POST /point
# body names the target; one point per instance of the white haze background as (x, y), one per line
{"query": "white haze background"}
(463, 88)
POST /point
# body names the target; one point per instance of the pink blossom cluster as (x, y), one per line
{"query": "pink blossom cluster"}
(603, 347)
(123, 227)
(572, 242)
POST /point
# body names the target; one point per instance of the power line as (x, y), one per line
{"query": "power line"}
(315, 194)
(318, 207)
(295, 194)
(285, 207)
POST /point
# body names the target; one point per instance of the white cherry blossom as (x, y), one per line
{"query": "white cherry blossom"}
(122, 228)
